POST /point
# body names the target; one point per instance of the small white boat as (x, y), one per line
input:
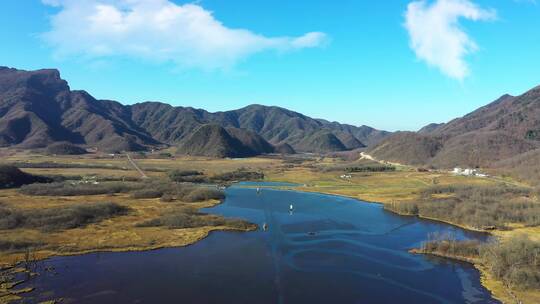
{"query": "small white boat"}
(291, 207)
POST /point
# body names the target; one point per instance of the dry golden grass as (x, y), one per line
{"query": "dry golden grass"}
(384, 187)
(207, 165)
(87, 172)
(115, 234)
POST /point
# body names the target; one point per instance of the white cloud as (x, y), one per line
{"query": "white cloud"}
(159, 30)
(437, 37)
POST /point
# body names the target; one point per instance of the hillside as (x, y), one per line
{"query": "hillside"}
(321, 142)
(284, 149)
(276, 125)
(407, 148)
(215, 141)
(254, 143)
(37, 109)
(503, 129)
(430, 128)
(523, 166)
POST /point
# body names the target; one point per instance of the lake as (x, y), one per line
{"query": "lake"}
(328, 249)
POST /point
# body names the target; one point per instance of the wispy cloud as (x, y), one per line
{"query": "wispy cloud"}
(159, 30)
(437, 37)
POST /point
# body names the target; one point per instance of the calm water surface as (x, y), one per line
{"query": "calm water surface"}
(329, 249)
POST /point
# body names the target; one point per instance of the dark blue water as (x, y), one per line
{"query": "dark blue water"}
(267, 184)
(329, 249)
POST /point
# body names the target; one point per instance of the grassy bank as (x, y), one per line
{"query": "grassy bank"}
(510, 268)
(111, 212)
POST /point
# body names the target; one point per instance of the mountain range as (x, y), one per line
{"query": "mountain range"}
(503, 132)
(38, 108)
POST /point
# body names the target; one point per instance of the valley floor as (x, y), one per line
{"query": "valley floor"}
(120, 234)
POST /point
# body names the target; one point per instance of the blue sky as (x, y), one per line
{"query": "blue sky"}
(394, 65)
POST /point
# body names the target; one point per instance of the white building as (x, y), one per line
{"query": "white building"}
(468, 172)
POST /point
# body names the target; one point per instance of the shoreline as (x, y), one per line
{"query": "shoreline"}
(485, 280)
(14, 263)
(54, 254)
(492, 285)
(472, 229)
(205, 231)
(10, 293)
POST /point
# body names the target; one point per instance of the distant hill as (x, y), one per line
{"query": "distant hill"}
(277, 125)
(323, 141)
(503, 129)
(37, 109)
(284, 148)
(366, 135)
(215, 141)
(254, 143)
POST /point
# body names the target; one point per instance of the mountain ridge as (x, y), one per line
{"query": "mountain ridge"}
(500, 130)
(38, 108)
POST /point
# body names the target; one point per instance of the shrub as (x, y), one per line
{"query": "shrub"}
(515, 261)
(65, 148)
(196, 179)
(476, 206)
(12, 177)
(58, 218)
(75, 189)
(358, 166)
(167, 198)
(238, 175)
(17, 245)
(447, 245)
(203, 194)
(169, 192)
(190, 176)
(294, 160)
(147, 193)
(51, 165)
(189, 218)
(184, 173)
